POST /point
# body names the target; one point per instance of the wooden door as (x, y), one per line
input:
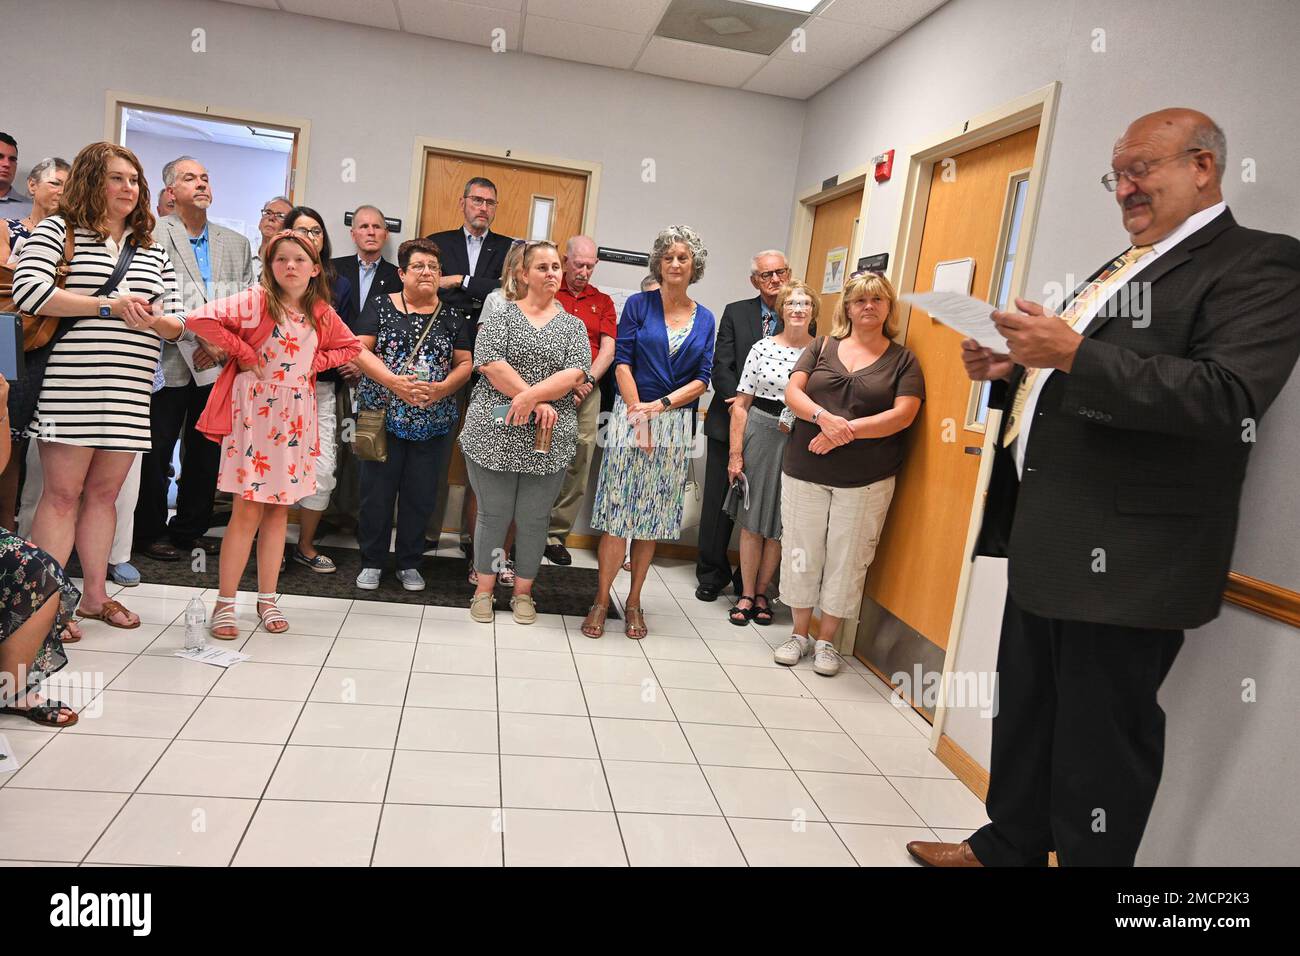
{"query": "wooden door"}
(445, 175)
(918, 563)
(833, 224)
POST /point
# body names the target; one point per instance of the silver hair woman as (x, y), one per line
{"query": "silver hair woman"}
(663, 360)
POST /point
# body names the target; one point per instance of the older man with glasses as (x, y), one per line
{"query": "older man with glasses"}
(743, 323)
(1116, 481)
(272, 221)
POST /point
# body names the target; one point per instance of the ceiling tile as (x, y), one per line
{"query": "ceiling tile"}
(630, 16)
(698, 63)
(453, 20)
(796, 78)
(370, 13)
(581, 41)
(886, 14)
(836, 45)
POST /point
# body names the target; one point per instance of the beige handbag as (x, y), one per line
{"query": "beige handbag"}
(370, 437)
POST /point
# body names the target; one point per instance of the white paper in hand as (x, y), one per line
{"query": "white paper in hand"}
(963, 313)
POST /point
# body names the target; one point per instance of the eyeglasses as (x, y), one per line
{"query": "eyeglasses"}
(480, 201)
(1140, 169)
(424, 267)
(771, 274)
(277, 216)
(314, 232)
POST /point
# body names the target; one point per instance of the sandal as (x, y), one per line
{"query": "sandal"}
(740, 616)
(271, 616)
(473, 576)
(635, 627)
(46, 713)
(761, 615)
(593, 625)
(627, 565)
(68, 636)
(106, 613)
(506, 576)
(224, 617)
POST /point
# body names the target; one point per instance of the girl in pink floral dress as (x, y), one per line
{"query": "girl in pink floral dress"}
(263, 412)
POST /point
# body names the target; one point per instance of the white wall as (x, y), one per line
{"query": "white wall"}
(725, 159)
(1229, 788)
(241, 178)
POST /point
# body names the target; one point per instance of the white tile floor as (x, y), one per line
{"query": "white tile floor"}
(378, 734)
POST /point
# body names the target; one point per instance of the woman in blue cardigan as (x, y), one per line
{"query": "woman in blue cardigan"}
(662, 362)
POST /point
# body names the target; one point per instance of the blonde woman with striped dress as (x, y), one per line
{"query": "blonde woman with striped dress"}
(93, 413)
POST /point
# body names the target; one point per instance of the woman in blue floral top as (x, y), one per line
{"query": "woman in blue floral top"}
(419, 432)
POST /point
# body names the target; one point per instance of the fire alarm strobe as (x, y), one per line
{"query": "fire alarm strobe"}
(884, 165)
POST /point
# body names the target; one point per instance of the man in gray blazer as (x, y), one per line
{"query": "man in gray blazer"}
(211, 262)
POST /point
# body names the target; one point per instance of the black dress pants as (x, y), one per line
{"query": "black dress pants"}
(409, 480)
(1078, 741)
(173, 413)
(713, 566)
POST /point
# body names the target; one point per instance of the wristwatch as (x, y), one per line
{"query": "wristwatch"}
(816, 413)
(105, 308)
(586, 377)
(667, 402)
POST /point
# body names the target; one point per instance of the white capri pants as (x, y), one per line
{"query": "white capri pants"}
(828, 538)
(327, 425)
(125, 504)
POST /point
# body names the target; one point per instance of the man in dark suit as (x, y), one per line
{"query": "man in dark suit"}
(472, 259)
(368, 271)
(743, 323)
(1114, 494)
(473, 255)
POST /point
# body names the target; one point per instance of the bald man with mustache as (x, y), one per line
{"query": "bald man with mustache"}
(1117, 475)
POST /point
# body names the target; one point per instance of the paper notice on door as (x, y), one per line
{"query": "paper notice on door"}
(204, 376)
(213, 655)
(963, 313)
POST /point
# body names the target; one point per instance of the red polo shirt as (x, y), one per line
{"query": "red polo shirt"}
(596, 311)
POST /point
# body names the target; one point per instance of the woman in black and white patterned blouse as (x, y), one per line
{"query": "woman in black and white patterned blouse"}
(93, 412)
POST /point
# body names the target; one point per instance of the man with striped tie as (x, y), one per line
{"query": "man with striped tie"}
(1114, 494)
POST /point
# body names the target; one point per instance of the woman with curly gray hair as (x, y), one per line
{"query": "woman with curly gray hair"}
(662, 362)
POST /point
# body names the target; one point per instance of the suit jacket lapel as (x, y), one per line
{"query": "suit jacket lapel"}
(485, 253)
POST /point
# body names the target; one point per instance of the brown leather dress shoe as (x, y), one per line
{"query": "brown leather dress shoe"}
(943, 854)
(162, 551)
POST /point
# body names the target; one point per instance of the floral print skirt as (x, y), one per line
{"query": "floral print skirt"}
(641, 493)
(28, 578)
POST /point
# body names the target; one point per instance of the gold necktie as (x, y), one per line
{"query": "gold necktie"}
(1080, 306)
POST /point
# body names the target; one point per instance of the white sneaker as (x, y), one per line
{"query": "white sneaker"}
(825, 661)
(793, 650)
(368, 579)
(411, 579)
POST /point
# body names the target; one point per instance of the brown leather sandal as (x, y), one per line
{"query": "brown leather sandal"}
(593, 625)
(635, 627)
(106, 613)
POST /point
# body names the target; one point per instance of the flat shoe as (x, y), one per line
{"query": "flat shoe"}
(106, 613)
(635, 625)
(320, 564)
(593, 625)
(523, 608)
(46, 714)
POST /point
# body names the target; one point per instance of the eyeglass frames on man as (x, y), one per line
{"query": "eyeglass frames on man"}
(1140, 169)
(268, 213)
(771, 274)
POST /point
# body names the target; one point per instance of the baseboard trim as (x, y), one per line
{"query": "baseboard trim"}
(966, 767)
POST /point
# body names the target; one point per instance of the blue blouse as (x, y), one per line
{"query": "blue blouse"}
(642, 345)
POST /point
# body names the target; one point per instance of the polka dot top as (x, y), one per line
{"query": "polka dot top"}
(767, 369)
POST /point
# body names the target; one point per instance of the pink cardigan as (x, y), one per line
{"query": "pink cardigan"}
(240, 324)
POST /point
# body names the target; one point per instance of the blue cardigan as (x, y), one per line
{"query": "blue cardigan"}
(642, 345)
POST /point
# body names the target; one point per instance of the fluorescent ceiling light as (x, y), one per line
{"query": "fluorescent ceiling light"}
(796, 6)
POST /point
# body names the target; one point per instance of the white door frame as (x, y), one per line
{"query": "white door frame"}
(1032, 109)
(806, 202)
(114, 131)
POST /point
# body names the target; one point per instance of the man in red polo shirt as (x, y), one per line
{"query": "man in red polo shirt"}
(579, 297)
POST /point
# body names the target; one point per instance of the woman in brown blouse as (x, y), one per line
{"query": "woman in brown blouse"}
(853, 393)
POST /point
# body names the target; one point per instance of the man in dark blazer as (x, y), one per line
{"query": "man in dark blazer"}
(1114, 494)
(473, 255)
(368, 271)
(743, 323)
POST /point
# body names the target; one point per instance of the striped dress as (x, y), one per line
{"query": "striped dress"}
(99, 377)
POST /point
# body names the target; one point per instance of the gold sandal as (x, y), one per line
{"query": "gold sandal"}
(635, 626)
(593, 625)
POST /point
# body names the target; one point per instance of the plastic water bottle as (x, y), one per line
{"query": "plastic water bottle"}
(196, 622)
(423, 370)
